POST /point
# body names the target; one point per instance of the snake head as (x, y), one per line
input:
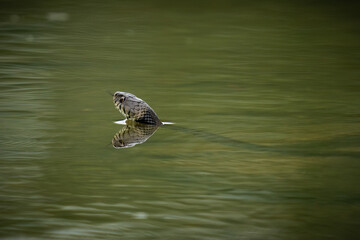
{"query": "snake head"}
(125, 103)
(119, 97)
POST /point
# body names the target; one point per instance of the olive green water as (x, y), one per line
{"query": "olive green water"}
(265, 97)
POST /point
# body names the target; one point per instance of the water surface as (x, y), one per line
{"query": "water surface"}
(264, 97)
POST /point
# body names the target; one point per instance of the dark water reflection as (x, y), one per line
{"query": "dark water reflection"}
(265, 97)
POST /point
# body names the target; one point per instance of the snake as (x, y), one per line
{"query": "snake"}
(144, 122)
(135, 109)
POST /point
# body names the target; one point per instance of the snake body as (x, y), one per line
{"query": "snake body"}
(135, 109)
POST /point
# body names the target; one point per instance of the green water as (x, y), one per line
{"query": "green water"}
(265, 100)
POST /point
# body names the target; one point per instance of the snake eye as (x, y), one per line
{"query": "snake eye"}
(122, 99)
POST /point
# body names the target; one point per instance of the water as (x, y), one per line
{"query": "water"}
(264, 97)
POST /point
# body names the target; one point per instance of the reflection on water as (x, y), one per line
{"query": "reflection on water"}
(132, 134)
(265, 96)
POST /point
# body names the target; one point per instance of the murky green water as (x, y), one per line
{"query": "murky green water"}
(265, 97)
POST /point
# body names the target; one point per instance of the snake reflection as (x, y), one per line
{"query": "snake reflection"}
(132, 134)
